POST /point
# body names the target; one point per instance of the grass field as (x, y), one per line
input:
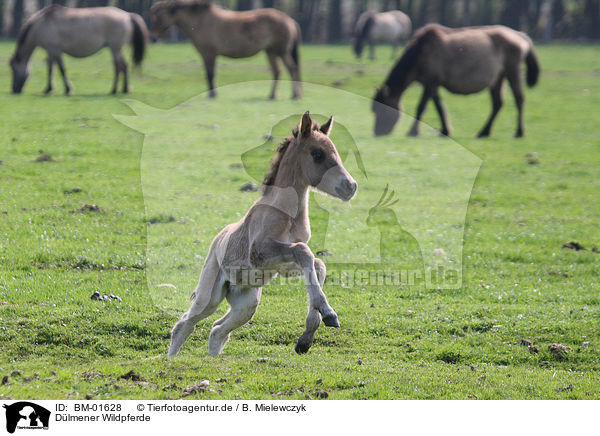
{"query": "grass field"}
(395, 341)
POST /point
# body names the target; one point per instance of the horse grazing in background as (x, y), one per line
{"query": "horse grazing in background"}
(78, 33)
(464, 61)
(270, 239)
(388, 27)
(215, 31)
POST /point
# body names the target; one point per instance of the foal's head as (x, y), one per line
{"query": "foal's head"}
(309, 158)
(386, 107)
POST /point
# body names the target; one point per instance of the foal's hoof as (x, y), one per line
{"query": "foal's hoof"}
(331, 320)
(302, 347)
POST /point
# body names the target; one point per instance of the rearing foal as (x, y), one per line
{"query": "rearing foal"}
(270, 239)
(215, 31)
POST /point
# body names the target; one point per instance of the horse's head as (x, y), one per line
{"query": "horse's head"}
(358, 45)
(20, 70)
(162, 16)
(317, 160)
(386, 107)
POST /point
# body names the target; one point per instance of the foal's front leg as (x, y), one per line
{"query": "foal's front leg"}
(274, 252)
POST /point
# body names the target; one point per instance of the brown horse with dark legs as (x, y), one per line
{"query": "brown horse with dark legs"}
(215, 31)
(78, 33)
(464, 61)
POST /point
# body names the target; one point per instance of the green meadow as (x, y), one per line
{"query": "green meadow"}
(98, 194)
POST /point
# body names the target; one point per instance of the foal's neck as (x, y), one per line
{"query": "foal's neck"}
(289, 192)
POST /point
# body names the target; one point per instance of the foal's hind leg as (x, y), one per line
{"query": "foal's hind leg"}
(244, 302)
(313, 319)
(208, 295)
(441, 112)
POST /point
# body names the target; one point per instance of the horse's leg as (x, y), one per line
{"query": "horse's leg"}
(313, 319)
(208, 295)
(496, 94)
(414, 130)
(275, 70)
(244, 302)
(209, 65)
(514, 79)
(441, 112)
(50, 62)
(294, 70)
(371, 50)
(117, 72)
(61, 67)
(125, 75)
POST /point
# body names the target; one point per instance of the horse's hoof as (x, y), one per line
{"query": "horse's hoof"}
(412, 134)
(48, 91)
(331, 320)
(483, 134)
(302, 347)
(519, 134)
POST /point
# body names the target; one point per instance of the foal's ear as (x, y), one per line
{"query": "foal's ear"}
(305, 128)
(326, 127)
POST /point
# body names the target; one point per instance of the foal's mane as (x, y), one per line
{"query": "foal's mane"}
(271, 175)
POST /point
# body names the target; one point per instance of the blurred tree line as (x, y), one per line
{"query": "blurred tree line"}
(333, 20)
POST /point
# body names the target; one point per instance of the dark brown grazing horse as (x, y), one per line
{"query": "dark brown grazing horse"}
(215, 31)
(464, 61)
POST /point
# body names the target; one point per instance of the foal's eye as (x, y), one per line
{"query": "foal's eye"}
(317, 154)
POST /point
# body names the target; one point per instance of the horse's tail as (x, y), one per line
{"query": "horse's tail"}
(533, 66)
(139, 39)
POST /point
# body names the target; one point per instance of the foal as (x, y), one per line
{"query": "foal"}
(270, 239)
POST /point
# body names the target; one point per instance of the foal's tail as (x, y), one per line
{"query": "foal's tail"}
(533, 66)
(139, 39)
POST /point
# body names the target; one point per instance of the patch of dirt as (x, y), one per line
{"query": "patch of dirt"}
(559, 351)
(72, 191)
(44, 158)
(573, 245)
(201, 387)
(249, 187)
(526, 342)
(321, 393)
(565, 389)
(89, 208)
(91, 375)
(105, 297)
(132, 376)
